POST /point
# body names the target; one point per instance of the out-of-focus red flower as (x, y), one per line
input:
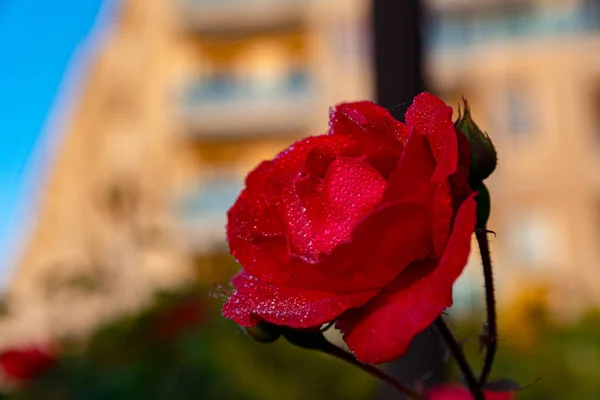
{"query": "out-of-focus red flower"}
(20, 365)
(455, 392)
(179, 318)
(369, 224)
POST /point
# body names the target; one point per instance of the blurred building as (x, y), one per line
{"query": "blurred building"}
(181, 99)
(259, 75)
(532, 73)
(102, 239)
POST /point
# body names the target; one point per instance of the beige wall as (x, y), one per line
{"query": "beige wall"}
(548, 174)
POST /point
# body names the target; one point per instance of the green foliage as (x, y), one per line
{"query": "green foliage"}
(565, 359)
(215, 360)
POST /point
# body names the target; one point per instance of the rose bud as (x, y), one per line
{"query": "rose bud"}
(368, 225)
(483, 153)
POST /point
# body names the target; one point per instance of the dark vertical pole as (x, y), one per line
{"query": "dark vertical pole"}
(396, 27)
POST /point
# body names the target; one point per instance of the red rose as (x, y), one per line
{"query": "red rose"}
(461, 393)
(369, 224)
(21, 365)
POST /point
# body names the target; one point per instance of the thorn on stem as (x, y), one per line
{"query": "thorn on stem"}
(487, 231)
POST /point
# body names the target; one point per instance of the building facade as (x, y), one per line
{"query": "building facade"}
(531, 72)
(259, 77)
(183, 97)
(180, 100)
(103, 239)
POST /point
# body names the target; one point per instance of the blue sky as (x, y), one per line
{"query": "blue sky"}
(37, 41)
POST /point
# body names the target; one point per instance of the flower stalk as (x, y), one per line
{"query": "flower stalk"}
(484, 160)
(460, 358)
(316, 341)
(491, 338)
(379, 374)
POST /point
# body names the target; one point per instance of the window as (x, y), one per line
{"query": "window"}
(264, 66)
(518, 112)
(351, 41)
(202, 212)
(534, 240)
(213, 196)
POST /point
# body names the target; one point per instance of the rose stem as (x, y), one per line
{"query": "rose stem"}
(492, 329)
(460, 358)
(374, 371)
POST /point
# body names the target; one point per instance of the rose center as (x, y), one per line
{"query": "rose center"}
(318, 161)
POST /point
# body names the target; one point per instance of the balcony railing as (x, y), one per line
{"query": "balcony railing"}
(202, 212)
(215, 16)
(455, 31)
(225, 107)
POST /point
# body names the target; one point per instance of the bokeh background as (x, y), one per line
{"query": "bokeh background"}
(126, 129)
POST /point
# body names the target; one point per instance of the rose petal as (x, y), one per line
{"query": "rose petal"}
(267, 259)
(255, 232)
(292, 160)
(442, 210)
(255, 300)
(433, 118)
(382, 330)
(251, 217)
(411, 181)
(381, 246)
(385, 161)
(318, 161)
(256, 236)
(368, 123)
(320, 214)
